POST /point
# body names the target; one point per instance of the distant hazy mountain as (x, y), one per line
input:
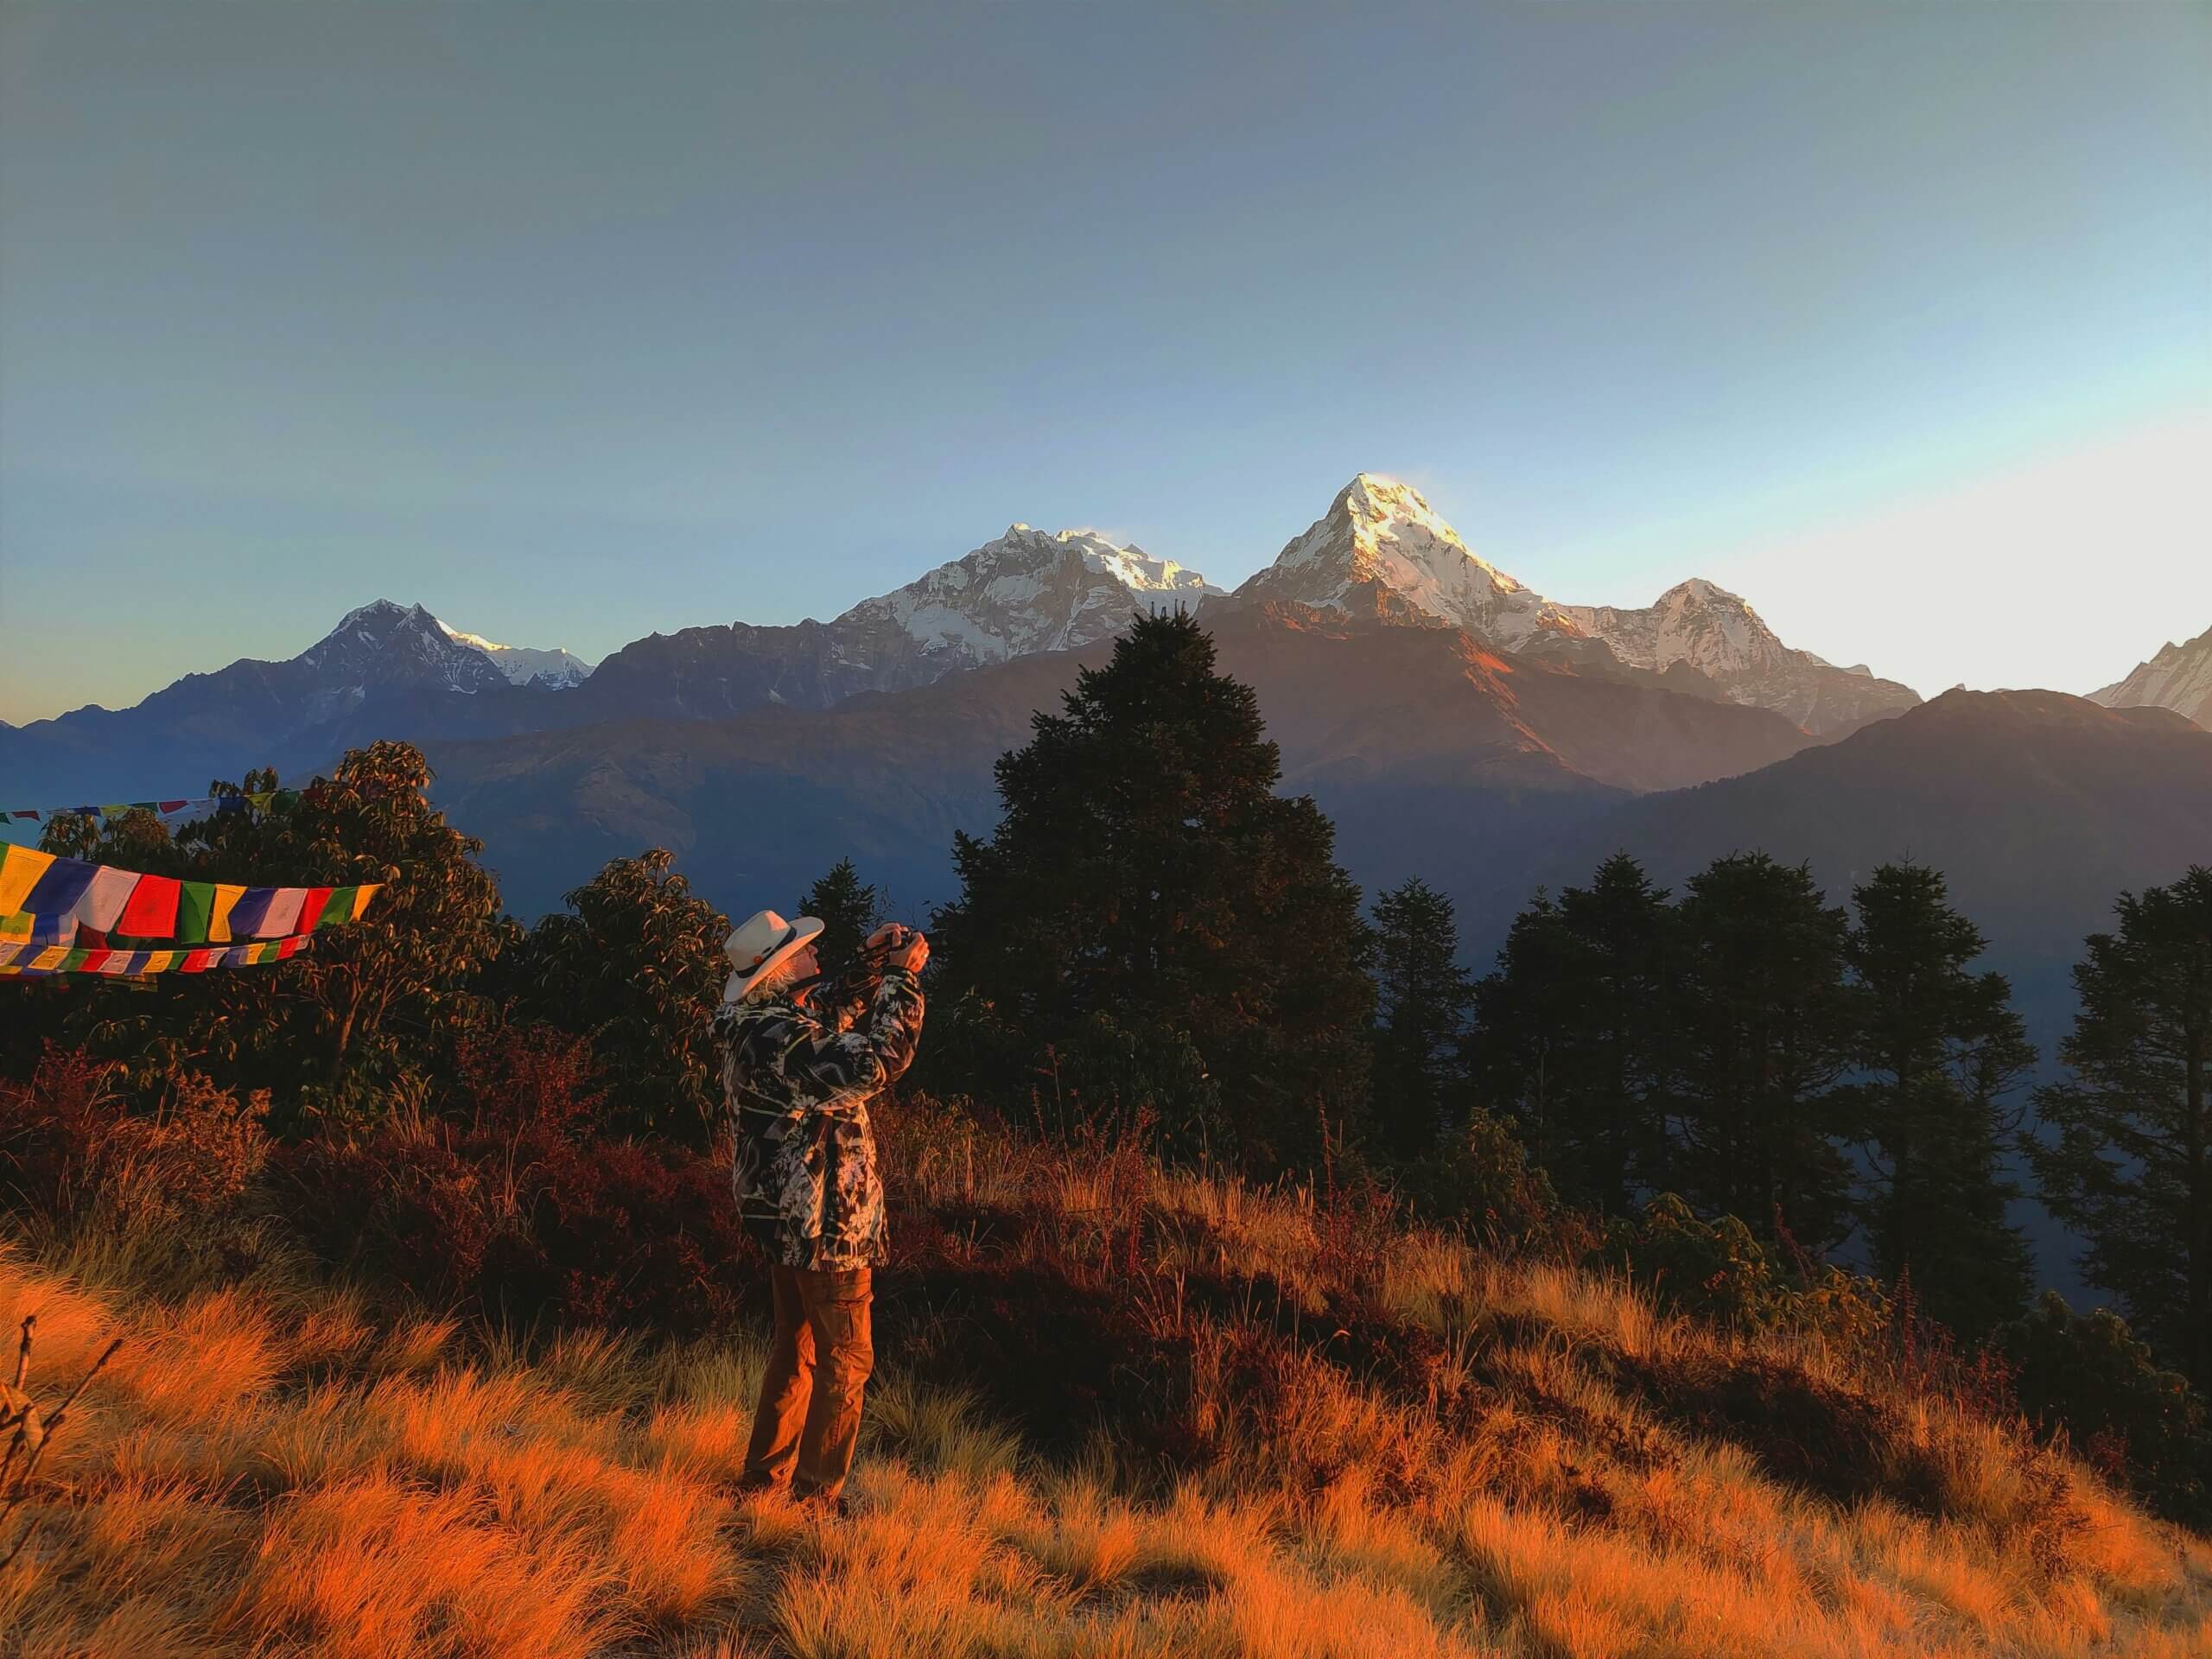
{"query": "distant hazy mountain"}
(385, 670)
(2039, 807)
(2179, 677)
(1029, 591)
(1379, 534)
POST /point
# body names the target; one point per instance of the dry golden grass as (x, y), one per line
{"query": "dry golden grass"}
(265, 1468)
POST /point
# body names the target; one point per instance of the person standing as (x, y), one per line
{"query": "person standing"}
(797, 1090)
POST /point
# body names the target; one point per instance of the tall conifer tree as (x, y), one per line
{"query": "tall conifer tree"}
(2131, 1166)
(1572, 1033)
(1763, 1032)
(1145, 872)
(1939, 1047)
(1423, 996)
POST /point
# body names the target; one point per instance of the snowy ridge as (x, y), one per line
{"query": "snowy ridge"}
(2179, 677)
(559, 669)
(1030, 590)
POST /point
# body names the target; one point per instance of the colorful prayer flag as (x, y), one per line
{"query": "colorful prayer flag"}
(151, 911)
(102, 905)
(20, 869)
(284, 910)
(196, 904)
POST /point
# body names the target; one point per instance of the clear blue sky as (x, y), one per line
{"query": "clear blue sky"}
(574, 321)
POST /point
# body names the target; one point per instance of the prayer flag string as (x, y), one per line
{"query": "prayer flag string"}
(47, 900)
(35, 960)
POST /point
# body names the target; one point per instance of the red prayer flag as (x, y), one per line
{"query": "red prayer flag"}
(311, 909)
(151, 912)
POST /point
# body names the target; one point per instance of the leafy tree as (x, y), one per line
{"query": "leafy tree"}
(2131, 1167)
(635, 964)
(1764, 1027)
(1423, 997)
(1939, 1047)
(1572, 1029)
(1144, 867)
(333, 1028)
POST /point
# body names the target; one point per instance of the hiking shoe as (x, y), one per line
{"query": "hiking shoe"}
(830, 1507)
(753, 1485)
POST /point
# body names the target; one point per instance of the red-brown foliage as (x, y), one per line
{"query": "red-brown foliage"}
(69, 1145)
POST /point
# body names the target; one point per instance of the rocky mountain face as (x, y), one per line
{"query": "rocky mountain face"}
(1029, 591)
(1714, 632)
(1380, 537)
(2179, 677)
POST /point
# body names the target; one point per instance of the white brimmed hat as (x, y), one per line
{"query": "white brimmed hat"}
(760, 944)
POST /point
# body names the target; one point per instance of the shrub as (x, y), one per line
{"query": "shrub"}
(511, 1206)
(1709, 1269)
(1481, 1180)
(2090, 1377)
(69, 1148)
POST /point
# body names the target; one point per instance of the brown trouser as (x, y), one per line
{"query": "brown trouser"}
(809, 1410)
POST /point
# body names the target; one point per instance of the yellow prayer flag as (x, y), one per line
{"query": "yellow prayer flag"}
(260, 802)
(20, 869)
(158, 961)
(219, 917)
(49, 958)
(361, 899)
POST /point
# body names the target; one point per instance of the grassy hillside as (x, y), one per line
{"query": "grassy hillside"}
(1120, 1412)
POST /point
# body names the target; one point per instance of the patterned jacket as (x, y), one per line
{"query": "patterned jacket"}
(798, 1092)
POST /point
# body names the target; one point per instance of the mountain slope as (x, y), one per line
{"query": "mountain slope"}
(2039, 807)
(2179, 677)
(1380, 536)
(1029, 591)
(1425, 748)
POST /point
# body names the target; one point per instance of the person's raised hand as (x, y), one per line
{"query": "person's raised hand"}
(910, 953)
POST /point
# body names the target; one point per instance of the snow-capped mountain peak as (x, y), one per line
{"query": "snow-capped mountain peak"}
(1382, 533)
(1381, 547)
(559, 668)
(1030, 590)
(1697, 622)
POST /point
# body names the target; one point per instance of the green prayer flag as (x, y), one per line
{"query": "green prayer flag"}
(73, 961)
(196, 904)
(339, 908)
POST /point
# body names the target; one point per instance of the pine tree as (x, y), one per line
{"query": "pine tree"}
(1423, 996)
(1764, 1029)
(1145, 872)
(1939, 1047)
(2131, 1167)
(1571, 1031)
(850, 910)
